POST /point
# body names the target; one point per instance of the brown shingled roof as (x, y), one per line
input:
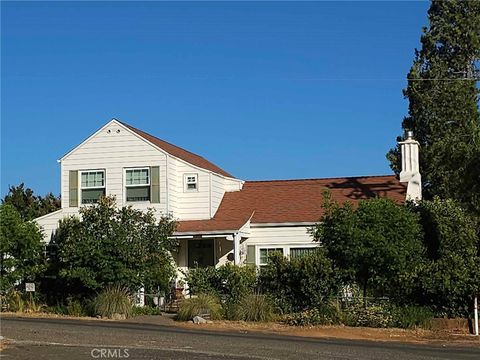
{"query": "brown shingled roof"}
(292, 201)
(178, 152)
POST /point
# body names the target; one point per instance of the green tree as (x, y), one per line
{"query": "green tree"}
(29, 205)
(114, 246)
(21, 248)
(451, 277)
(443, 103)
(377, 245)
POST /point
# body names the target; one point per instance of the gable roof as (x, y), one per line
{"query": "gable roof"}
(292, 201)
(178, 152)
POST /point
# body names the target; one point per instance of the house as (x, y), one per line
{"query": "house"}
(220, 218)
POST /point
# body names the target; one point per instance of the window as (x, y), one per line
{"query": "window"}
(191, 182)
(301, 251)
(92, 186)
(137, 183)
(266, 252)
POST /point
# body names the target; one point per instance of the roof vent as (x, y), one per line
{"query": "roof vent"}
(409, 135)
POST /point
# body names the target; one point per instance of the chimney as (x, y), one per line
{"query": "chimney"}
(410, 167)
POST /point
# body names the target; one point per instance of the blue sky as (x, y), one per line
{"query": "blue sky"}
(268, 90)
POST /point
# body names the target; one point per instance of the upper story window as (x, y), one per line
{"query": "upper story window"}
(191, 182)
(137, 183)
(92, 185)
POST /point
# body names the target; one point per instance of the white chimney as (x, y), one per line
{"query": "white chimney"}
(410, 167)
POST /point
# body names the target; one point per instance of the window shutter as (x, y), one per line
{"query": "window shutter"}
(73, 188)
(250, 254)
(155, 184)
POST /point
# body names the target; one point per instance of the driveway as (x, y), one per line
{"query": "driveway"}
(81, 339)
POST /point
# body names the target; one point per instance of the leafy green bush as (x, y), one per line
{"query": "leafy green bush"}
(74, 307)
(113, 300)
(376, 316)
(203, 304)
(228, 282)
(323, 315)
(300, 283)
(145, 310)
(254, 307)
(409, 317)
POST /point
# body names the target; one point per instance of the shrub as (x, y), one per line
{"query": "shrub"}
(323, 315)
(15, 301)
(113, 300)
(145, 310)
(74, 308)
(299, 283)
(203, 304)
(376, 316)
(254, 307)
(32, 304)
(229, 282)
(409, 317)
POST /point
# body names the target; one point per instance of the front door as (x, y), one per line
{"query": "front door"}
(200, 253)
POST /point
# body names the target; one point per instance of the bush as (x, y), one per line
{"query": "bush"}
(323, 315)
(300, 283)
(113, 300)
(14, 301)
(376, 316)
(145, 310)
(229, 282)
(254, 307)
(409, 317)
(33, 304)
(203, 304)
(74, 308)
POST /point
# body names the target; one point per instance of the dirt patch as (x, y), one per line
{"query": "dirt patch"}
(422, 336)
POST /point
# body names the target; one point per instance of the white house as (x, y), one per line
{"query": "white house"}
(220, 218)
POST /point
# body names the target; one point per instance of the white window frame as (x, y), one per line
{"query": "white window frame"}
(186, 183)
(271, 247)
(81, 187)
(285, 248)
(136, 185)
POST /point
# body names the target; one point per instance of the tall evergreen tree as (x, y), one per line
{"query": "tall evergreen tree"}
(443, 103)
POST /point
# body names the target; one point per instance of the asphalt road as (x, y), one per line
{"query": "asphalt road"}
(42, 339)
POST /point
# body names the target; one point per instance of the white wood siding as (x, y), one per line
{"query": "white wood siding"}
(190, 205)
(114, 152)
(279, 235)
(284, 237)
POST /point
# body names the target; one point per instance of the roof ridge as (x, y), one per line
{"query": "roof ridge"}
(165, 141)
(183, 154)
(326, 178)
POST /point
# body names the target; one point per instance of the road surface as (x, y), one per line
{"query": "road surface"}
(42, 339)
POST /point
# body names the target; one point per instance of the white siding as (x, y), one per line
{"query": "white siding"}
(49, 223)
(191, 205)
(276, 237)
(114, 152)
(279, 235)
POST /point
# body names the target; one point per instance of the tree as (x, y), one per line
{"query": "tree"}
(29, 205)
(114, 246)
(443, 103)
(451, 277)
(21, 249)
(377, 245)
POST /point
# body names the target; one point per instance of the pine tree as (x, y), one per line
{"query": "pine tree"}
(443, 103)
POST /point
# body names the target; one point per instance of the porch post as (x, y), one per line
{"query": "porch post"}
(236, 248)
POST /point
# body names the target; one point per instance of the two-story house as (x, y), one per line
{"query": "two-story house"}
(220, 218)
